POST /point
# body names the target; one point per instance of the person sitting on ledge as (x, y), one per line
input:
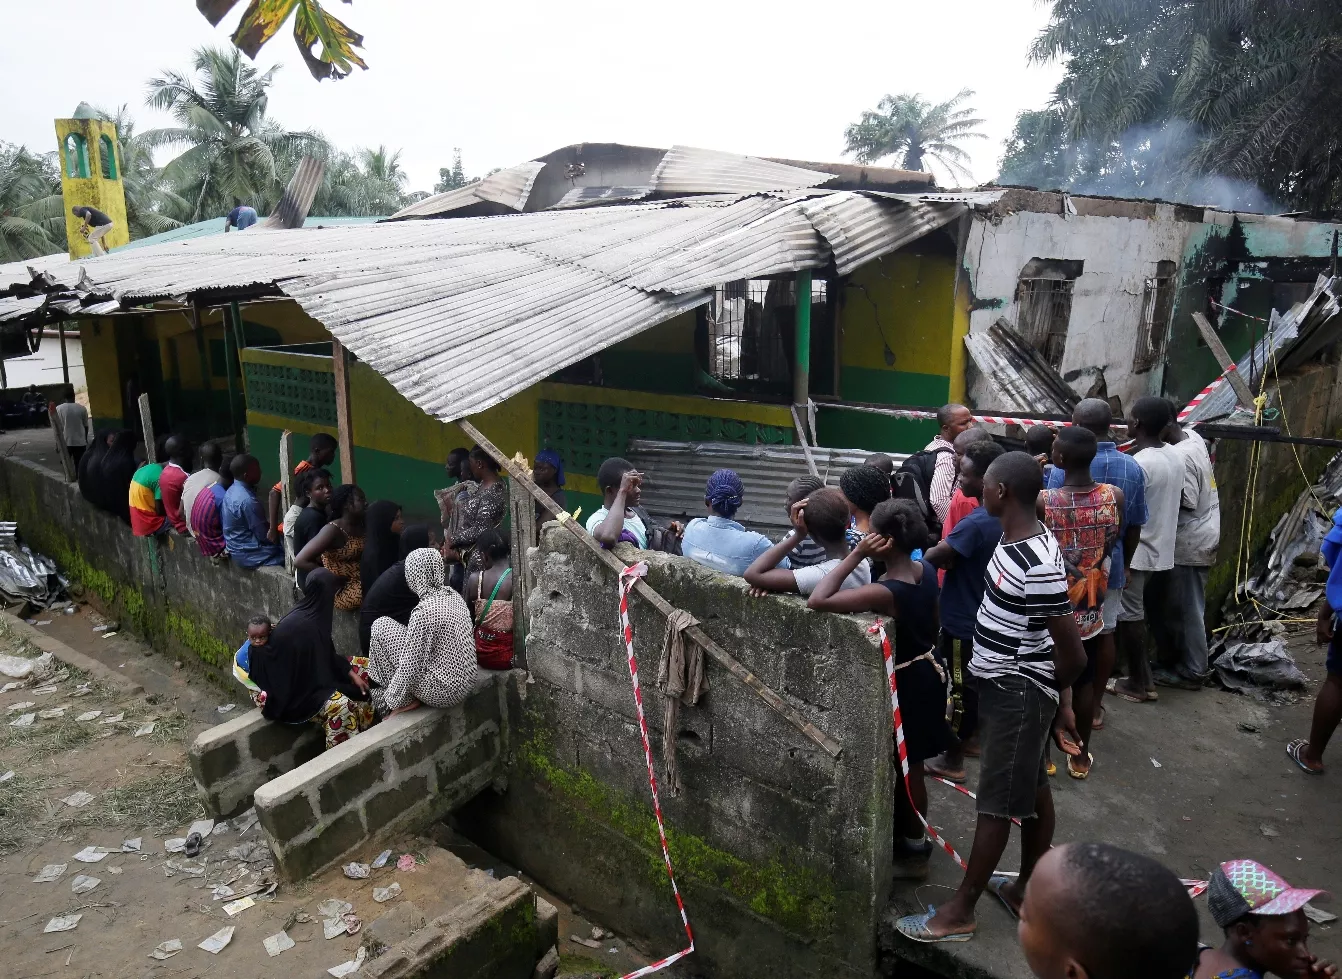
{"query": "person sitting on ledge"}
(621, 518)
(719, 542)
(822, 517)
(243, 520)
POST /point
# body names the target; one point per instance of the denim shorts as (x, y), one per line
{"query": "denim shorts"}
(1015, 718)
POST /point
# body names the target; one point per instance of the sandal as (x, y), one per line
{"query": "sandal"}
(1132, 698)
(995, 884)
(1081, 776)
(1098, 723)
(1051, 769)
(193, 845)
(914, 927)
(1293, 752)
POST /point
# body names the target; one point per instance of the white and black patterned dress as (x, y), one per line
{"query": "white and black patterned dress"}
(433, 658)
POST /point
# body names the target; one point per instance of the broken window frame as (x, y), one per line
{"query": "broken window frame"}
(1044, 313)
(1153, 328)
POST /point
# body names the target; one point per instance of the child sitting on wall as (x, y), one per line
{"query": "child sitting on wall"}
(824, 517)
(621, 518)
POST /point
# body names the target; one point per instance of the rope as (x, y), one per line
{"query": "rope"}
(628, 577)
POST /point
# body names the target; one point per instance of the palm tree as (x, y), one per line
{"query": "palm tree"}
(232, 148)
(916, 130)
(32, 211)
(152, 206)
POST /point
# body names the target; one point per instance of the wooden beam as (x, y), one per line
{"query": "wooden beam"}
(521, 477)
(1237, 383)
(286, 487)
(344, 426)
(65, 361)
(147, 422)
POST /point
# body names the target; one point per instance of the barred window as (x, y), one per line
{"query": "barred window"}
(1044, 305)
(1154, 327)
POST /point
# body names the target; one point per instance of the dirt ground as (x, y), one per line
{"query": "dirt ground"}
(142, 787)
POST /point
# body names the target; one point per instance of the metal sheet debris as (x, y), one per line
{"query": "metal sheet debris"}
(1020, 378)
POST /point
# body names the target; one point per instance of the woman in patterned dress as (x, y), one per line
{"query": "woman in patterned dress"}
(338, 546)
(294, 673)
(432, 660)
(480, 506)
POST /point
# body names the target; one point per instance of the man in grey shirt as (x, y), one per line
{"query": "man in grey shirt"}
(73, 418)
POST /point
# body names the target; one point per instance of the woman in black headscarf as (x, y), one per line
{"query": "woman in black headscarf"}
(303, 677)
(390, 595)
(114, 475)
(90, 463)
(382, 540)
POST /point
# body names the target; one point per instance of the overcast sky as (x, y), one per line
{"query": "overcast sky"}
(507, 83)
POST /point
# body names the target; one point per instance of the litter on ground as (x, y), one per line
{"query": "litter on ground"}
(50, 872)
(25, 721)
(51, 713)
(378, 863)
(406, 863)
(68, 922)
(177, 844)
(352, 966)
(166, 950)
(7, 776)
(24, 705)
(78, 799)
(132, 845)
(383, 894)
(90, 854)
(276, 944)
(225, 708)
(201, 826)
(144, 729)
(217, 942)
(234, 908)
(334, 908)
(83, 883)
(356, 871)
(89, 715)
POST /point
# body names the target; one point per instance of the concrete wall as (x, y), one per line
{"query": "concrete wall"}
(232, 760)
(403, 774)
(179, 601)
(783, 855)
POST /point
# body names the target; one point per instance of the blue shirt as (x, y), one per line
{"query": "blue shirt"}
(724, 545)
(245, 529)
(974, 539)
(1332, 549)
(1117, 469)
(242, 216)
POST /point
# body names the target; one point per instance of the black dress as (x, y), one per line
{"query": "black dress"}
(922, 691)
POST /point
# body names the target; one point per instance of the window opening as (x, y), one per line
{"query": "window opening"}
(76, 156)
(1153, 329)
(107, 157)
(1044, 304)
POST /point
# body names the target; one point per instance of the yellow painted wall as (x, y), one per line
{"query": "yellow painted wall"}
(108, 196)
(97, 340)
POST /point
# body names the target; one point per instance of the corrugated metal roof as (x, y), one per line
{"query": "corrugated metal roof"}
(299, 193)
(588, 196)
(510, 188)
(1302, 332)
(675, 474)
(974, 198)
(1022, 380)
(13, 309)
(860, 229)
(215, 226)
(460, 315)
(16, 274)
(687, 170)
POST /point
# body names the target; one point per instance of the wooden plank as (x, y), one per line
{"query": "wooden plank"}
(521, 477)
(1238, 384)
(65, 360)
(344, 426)
(147, 422)
(286, 488)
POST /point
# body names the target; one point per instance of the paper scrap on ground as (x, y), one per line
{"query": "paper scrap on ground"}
(51, 713)
(166, 950)
(352, 966)
(356, 871)
(144, 729)
(244, 822)
(90, 854)
(7, 776)
(89, 715)
(379, 863)
(406, 863)
(201, 826)
(176, 845)
(83, 883)
(132, 845)
(383, 894)
(78, 799)
(276, 944)
(67, 922)
(331, 927)
(114, 719)
(217, 942)
(25, 721)
(11, 685)
(220, 892)
(23, 705)
(334, 908)
(114, 870)
(1318, 915)
(233, 908)
(50, 872)
(20, 666)
(225, 708)
(584, 941)
(1155, 763)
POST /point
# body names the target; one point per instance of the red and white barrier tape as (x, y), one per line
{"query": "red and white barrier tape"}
(1201, 396)
(900, 747)
(628, 577)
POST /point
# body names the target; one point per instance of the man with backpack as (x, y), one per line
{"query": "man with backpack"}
(928, 477)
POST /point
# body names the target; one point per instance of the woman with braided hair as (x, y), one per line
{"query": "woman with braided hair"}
(717, 541)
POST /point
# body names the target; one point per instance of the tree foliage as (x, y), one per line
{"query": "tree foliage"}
(453, 177)
(32, 212)
(313, 27)
(917, 132)
(1240, 95)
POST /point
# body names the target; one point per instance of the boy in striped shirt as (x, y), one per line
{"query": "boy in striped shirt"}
(1026, 647)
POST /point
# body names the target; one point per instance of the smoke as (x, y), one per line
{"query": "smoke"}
(1149, 162)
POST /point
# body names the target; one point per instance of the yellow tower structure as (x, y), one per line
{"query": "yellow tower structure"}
(91, 176)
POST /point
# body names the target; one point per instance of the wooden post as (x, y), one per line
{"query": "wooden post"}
(286, 490)
(344, 428)
(521, 477)
(202, 351)
(65, 361)
(1237, 383)
(147, 423)
(523, 520)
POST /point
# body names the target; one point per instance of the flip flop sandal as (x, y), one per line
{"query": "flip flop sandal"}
(995, 884)
(914, 927)
(1132, 698)
(1098, 723)
(1081, 776)
(1051, 769)
(193, 844)
(1293, 752)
